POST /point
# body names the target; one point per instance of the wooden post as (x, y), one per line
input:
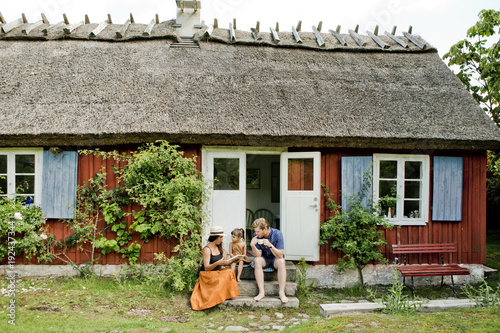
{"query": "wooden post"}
(394, 30)
(44, 18)
(257, 26)
(216, 23)
(356, 29)
(415, 41)
(99, 29)
(275, 35)
(397, 40)
(87, 20)
(24, 18)
(131, 18)
(30, 27)
(320, 25)
(109, 19)
(299, 26)
(12, 25)
(375, 32)
(296, 35)
(157, 19)
(356, 38)
(378, 40)
(319, 39)
(277, 27)
(65, 19)
(123, 30)
(69, 29)
(149, 28)
(2, 20)
(234, 24)
(232, 37)
(410, 28)
(52, 27)
(337, 35)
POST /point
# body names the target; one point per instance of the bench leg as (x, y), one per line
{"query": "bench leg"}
(453, 286)
(412, 289)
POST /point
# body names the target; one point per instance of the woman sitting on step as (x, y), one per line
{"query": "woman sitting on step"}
(215, 283)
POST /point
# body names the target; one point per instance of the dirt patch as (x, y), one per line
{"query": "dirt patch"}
(140, 312)
(174, 319)
(46, 308)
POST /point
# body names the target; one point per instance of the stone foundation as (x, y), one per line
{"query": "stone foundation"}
(322, 276)
(326, 276)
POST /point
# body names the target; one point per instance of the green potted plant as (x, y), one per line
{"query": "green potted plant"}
(388, 205)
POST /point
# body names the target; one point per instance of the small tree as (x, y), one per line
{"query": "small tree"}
(356, 231)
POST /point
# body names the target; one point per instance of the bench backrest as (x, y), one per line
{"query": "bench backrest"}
(423, 248)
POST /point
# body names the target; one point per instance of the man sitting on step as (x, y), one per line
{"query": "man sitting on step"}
(268, 247)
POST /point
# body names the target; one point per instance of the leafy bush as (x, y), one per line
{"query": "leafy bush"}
(22, 230)
(356, 231)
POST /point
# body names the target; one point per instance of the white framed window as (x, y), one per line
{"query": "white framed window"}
(21, 173)
(401, 187)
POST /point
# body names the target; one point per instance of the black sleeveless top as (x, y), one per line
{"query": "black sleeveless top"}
(212, 260)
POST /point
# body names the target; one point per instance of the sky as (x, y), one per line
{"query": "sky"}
(440, 22)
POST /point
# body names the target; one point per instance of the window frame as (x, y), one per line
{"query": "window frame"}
(399, 219)
(11, 174)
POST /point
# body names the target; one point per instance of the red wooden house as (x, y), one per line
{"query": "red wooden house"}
(273, 115)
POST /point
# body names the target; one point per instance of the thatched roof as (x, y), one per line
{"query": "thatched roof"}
(73, 89)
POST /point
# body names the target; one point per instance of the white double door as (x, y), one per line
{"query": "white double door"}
(299, 196)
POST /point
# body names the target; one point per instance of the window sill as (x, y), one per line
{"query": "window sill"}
(407, 222)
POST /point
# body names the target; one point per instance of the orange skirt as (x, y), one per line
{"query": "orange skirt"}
(214, 287)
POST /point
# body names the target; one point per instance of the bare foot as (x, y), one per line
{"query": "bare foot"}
(238, 280)
(284, 299)
(259, 297)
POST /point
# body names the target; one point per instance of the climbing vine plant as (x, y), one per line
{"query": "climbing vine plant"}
(167, 193)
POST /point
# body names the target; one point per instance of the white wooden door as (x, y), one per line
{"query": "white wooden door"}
(300, 204)
(226, 204)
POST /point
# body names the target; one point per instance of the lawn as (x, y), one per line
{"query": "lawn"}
(111, 305)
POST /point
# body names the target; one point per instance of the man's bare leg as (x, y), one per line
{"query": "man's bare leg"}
(259, 263)
(280, 265)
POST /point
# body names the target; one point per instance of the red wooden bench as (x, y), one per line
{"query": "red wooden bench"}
(432, 269)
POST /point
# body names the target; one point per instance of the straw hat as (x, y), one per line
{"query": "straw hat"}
(217, 231)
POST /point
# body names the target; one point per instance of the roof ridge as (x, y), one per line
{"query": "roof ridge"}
(21, 29)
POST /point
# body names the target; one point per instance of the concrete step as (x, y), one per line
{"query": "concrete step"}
(338, 309)
(248, 273)
(265, 303)
(271, 288)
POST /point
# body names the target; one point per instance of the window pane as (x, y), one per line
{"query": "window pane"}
(412, 208)
(389, 169)
(412, 189)
(25, 184)
(3, 185)
(3, 164)
(226, 174)
(25, 163)
(300, 174)
(387, 188)
(413, 170)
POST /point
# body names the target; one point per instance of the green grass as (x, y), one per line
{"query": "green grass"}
(108, 305)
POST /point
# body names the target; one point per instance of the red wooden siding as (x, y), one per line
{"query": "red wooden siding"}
(469, 235)
(88, 165)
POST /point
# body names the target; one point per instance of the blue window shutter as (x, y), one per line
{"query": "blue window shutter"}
(353, 170)
(447, 188)
(59, 184)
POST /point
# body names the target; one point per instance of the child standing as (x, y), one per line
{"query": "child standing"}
(238, 247)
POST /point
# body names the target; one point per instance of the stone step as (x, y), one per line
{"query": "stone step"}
(248, 273)
(265, 303)
(271, 288)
